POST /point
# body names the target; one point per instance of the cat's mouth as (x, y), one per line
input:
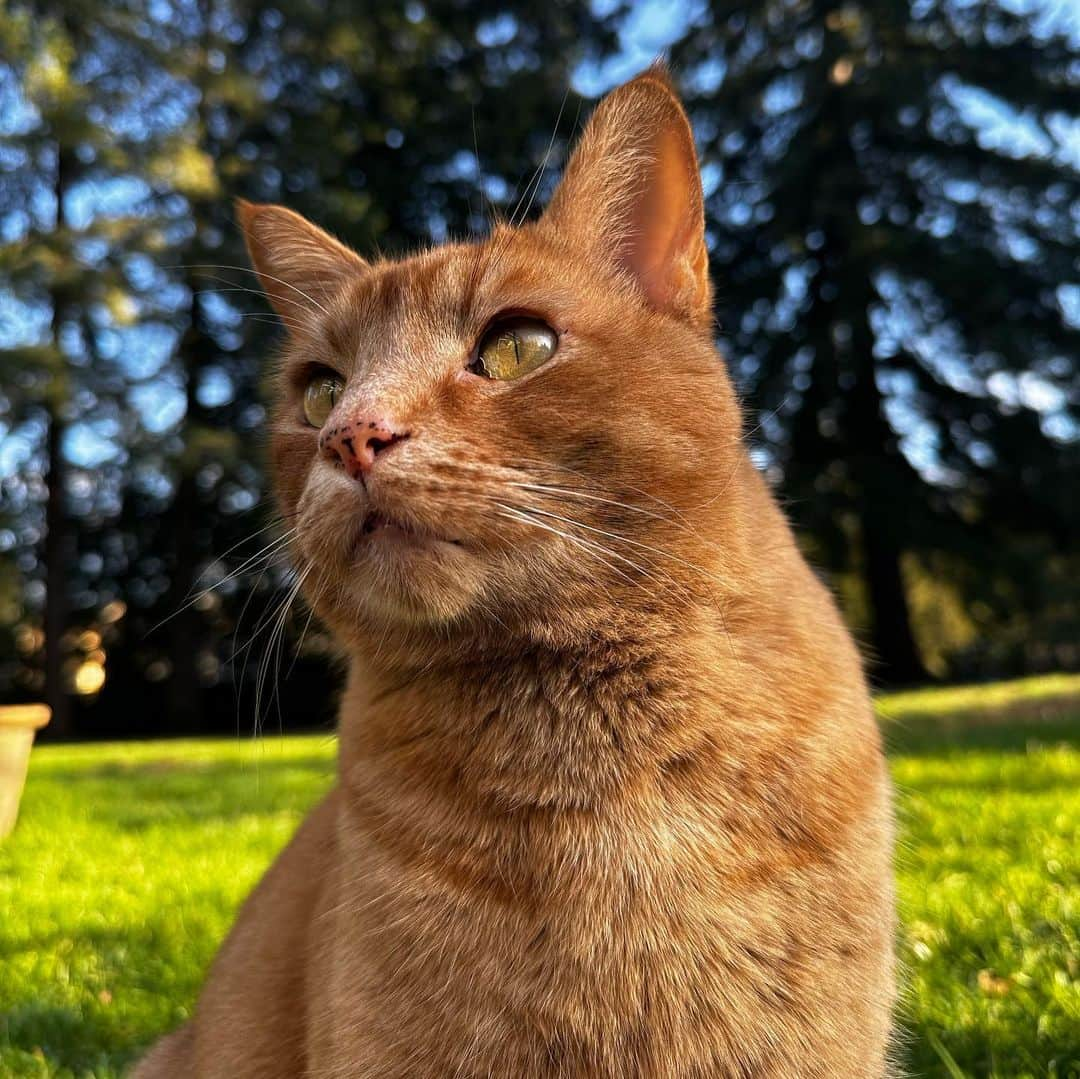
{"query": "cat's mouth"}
(380, 527)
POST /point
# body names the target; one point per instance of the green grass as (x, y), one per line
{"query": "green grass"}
(129, 861)
(988, 794)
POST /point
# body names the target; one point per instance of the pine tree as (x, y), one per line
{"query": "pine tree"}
(63, 88)
(893, 206)
(390, 124)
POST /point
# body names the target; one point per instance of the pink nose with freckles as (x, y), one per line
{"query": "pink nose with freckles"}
(357, 443)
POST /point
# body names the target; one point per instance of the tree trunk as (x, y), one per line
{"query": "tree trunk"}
(58, 549)
(58, 554)
(185, 698)
(895, 659)
(880, 479)
(185, 695)
(185, 704)
(882, 482)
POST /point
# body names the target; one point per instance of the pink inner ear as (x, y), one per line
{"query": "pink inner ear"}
(631, 195)
(665, 240)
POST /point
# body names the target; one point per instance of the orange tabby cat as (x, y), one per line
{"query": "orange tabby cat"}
(611, 798)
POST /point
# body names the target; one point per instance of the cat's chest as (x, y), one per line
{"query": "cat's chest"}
(514, 953)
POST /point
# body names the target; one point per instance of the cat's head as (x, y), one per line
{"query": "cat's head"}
(529, 431)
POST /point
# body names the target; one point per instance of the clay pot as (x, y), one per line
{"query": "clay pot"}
(18, 724)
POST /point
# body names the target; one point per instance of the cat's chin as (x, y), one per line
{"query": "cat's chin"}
(407, 606)
(407, 576)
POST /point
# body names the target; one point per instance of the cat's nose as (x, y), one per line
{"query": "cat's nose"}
(356, 445)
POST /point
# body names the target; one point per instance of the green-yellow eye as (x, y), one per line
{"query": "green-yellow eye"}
(320, 396)
(513, 347)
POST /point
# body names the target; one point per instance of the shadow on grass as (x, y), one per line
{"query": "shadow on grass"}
(65, 1037)
(133, 981)
(1007, 1050)
(165, 767)
(918, 736)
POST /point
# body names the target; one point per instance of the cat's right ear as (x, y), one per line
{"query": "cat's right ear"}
(298, 264)
(631, 196)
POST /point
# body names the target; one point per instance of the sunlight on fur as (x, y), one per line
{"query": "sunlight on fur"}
(611, 800)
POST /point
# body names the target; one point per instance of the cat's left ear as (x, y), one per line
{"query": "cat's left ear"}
(299, 265)
(632, 194)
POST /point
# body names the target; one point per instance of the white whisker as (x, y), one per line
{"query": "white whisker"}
(268, 552)
(592, 548)
(248, 269)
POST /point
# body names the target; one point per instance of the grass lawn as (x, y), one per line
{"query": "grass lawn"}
(130, 859)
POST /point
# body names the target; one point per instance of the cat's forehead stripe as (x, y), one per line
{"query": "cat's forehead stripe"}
(391, 287)
(433, 291)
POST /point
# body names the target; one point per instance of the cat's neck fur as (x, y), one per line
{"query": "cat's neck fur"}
(547, 723)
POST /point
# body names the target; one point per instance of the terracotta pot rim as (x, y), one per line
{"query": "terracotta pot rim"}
(34, 716)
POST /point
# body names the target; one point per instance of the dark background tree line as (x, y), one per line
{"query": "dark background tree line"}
(893, 209)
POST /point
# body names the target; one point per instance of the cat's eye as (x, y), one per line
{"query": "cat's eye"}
(513, 347)
(320, 395)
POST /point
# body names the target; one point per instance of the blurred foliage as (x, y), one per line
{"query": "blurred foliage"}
(894, 203)
(892, 211)
(135, 341)
(116, 912)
